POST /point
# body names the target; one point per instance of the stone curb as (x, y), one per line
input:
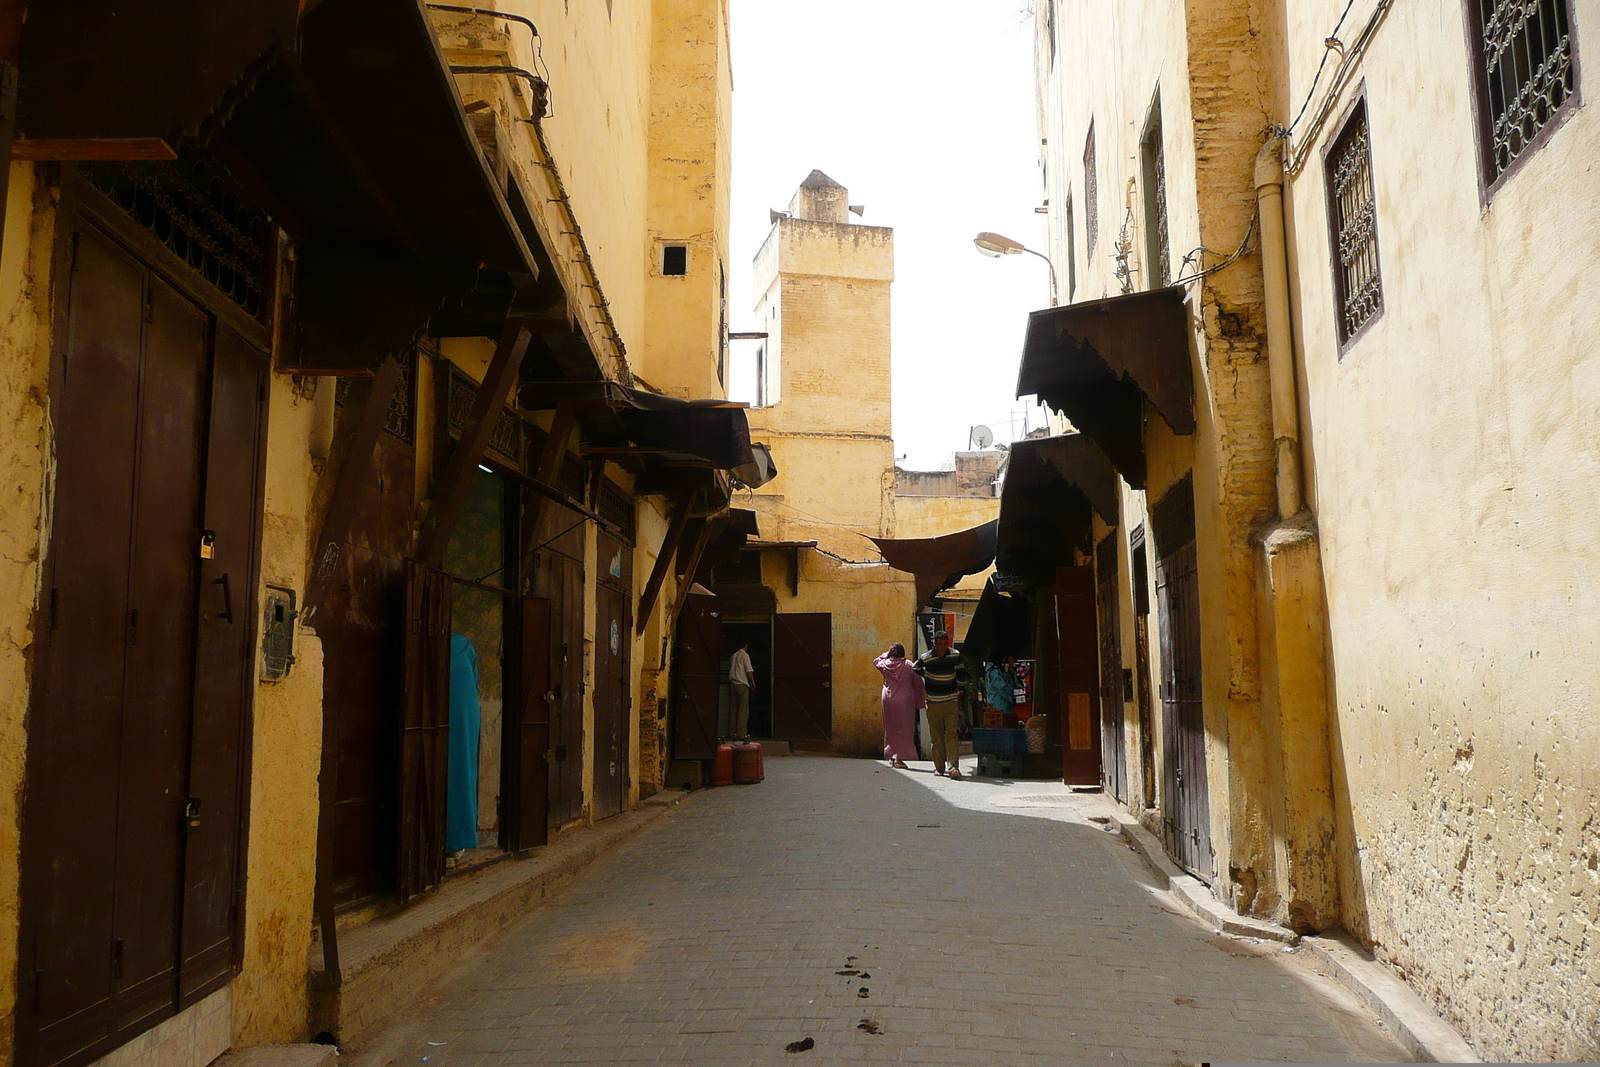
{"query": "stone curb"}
(279, 1056)
(1414, 1023)
(1194, 894)
(390, 961)
(1419, 1028)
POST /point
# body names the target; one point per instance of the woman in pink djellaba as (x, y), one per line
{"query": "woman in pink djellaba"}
(902, 696)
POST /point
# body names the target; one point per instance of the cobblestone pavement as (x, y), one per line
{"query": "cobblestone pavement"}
(888, 917)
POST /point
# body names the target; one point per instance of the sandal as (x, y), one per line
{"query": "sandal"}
(900, 765)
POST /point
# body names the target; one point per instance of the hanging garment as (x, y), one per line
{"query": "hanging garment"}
(461, 798)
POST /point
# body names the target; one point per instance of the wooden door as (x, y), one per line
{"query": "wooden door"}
(698, 670)
(1187, 807)
(1079, 688)
(611, 701)
(526, 751)
(1113, 728)
(425, 729)
(1141, 656)
(224, 679)
(802, 677)
(125, 916)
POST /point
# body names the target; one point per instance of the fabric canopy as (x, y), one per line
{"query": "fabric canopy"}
(1002, 625)
(940, 562)
(1052, 489)
(1098, 361)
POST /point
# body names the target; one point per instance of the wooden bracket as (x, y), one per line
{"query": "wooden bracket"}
(669, 550)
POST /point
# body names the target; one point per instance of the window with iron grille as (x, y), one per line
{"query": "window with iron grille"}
(1152, 163)
(1526, 74)
(400, 421)
(1072, 250)
(1091, 194)
(1352, 214)
(195, 210)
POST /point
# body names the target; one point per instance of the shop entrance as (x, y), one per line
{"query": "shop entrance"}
(758, 634)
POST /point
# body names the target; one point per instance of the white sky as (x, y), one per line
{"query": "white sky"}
(924, 110)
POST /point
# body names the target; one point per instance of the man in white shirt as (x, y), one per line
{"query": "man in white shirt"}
(741, 679)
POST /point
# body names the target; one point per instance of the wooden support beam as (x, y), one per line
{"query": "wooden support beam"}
(669, 550)
(368, 412)
(544, 472)
(708, 533)
(92, 149)
(473, 442)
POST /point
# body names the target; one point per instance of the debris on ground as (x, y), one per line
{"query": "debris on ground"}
(869, 1026)
(848, 973)
(804, 1045)
(862, 992)
(1099, 819)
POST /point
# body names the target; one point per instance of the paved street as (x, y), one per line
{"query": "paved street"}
(890, 917)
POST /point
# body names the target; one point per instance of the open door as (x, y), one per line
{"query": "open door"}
(699, 669)
(525, 753)
(1080, 676)
(425, 728)
(802, 677)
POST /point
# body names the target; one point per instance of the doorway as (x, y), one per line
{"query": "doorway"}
(758, 634)
(1187, 815)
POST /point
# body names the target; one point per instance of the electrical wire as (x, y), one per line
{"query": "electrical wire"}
(1311, 92)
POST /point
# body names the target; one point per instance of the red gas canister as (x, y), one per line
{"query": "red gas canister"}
(722, 766)
(748, 768)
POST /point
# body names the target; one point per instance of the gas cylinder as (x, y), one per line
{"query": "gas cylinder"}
(722, 766)
(748, 768)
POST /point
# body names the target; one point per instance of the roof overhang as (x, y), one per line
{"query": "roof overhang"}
(940, 562)
(1053, 488)
(672, 444)
(1098, 362)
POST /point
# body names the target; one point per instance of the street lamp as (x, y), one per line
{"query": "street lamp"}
(994, 246)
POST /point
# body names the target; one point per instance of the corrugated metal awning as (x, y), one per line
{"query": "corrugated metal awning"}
(1098, 361)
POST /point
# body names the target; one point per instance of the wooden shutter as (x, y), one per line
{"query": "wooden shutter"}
(1080, 676)
(802, 677)
(425, 728)
(218, 794)
(699, 683)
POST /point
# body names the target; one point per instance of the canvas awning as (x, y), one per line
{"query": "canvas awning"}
(1098, 361)
(1002, 625)
(940, 562)
(1053, 487)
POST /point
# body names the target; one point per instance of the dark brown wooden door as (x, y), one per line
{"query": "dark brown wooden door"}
(527, 748)
(126, 916)
(1078, 700)
(425, 729)
(802, 677)
(225, 654)
(1113, 728)
(1186, 811)
(698, 667)
(611, 701)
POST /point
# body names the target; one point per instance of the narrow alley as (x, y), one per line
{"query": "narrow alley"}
(888, 916)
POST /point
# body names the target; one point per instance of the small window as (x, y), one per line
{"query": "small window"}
(1091, 194)
(1072, 249)
(1152, 164)
(1352, 215)
(674, 260)
(1525, 72)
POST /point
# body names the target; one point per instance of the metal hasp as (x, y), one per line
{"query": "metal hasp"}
(1053, 488)
(940, 562)
(1098, 362)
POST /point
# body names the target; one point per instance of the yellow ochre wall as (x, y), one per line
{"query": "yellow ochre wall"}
(1455, 473)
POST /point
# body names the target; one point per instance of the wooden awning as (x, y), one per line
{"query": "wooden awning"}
(1053, 486)
(1098, 361)
(940, 562)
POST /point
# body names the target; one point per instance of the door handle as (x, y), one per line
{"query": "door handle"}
(227, 598)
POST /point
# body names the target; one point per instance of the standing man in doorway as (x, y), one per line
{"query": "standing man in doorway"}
(741, 679)
(943, 674)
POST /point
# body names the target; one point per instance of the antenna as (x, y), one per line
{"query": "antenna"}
(982, 437)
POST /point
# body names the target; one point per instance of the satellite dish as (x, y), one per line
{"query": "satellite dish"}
(982, 437)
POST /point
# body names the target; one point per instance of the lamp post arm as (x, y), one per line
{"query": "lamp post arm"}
(1054, 301)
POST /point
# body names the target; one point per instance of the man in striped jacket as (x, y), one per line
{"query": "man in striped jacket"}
(943, 674)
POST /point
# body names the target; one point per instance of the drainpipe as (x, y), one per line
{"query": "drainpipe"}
(1280, 343)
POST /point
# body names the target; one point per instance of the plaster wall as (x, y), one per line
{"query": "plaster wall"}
(1455, 468)
(26, 466)
(684, 349)
(933, 516)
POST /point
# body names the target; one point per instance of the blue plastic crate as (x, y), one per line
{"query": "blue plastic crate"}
(1000, 742)
(992, 766)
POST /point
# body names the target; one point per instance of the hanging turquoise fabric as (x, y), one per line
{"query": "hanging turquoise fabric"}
(461, 808)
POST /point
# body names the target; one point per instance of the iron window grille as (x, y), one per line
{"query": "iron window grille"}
(194, 210)
(1526, 72)
(1072, 250)
(1091, 194)
(1153, 162)
(1352, 211)
(400, 421)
